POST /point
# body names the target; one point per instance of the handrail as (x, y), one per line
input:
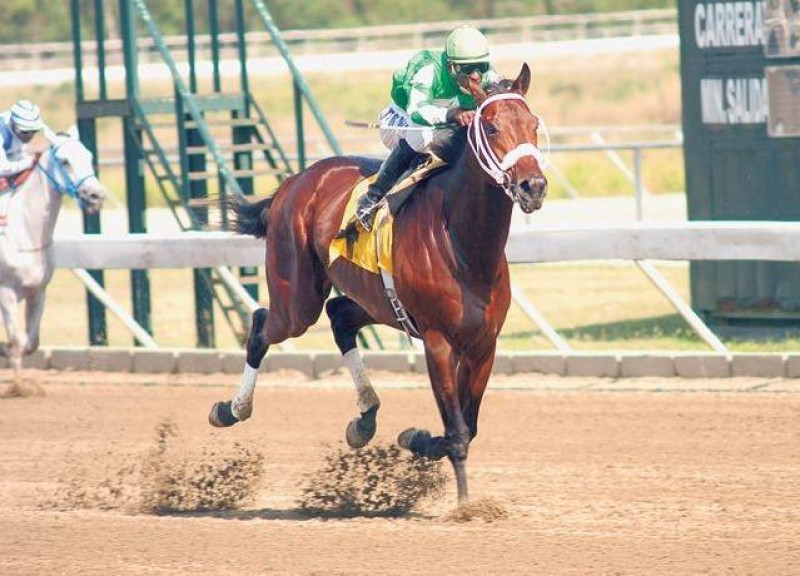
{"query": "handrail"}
(114, 157)
(272, 29)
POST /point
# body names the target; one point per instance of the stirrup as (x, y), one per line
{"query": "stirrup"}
(367, 217)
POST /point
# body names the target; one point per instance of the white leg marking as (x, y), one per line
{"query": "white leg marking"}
(242, 405)
(366, 396)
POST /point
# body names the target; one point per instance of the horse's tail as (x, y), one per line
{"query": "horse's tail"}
(250, 218)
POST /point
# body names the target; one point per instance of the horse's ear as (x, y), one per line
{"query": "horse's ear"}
(73, 133)
(523, 81)
(472, 85)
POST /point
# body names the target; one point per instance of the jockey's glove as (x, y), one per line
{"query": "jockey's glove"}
(460, 116)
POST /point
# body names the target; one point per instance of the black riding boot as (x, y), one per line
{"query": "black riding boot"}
(392, 168)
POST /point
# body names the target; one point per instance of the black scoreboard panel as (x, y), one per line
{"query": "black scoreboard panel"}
(740, 65)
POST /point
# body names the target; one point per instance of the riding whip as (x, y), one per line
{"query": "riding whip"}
(377, 126)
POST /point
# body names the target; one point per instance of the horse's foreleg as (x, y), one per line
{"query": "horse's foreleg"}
(347, 318)
(15, 344)
(34, 308)
(224, 414)
(472, 377)
(442, 362)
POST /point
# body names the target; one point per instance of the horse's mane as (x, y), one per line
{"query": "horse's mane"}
(502, 86)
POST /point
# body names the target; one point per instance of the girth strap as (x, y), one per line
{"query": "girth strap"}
(391, 293)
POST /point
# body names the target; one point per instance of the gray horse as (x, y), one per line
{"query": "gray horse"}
(28, 214)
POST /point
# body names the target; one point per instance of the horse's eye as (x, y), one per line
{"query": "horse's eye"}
(491, 130)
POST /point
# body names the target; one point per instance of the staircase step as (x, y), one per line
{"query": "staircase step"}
(236, 173)
(211, 123)
(230, 148)
(233, 122)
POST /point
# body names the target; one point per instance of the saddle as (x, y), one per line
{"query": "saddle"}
(372, 250)
(8, 185)
(12, 182)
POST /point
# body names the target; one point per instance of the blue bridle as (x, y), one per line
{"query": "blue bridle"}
(60, 177)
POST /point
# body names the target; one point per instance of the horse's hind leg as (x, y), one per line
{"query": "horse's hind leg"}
(224, 414)
(34, 307)
(347, 318)
(297, 293)
(15, 344)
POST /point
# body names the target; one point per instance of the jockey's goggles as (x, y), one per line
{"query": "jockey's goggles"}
(22, 132)
(469, 68)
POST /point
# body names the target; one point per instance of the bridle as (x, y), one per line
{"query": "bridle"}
(61, 179)
(498, 169)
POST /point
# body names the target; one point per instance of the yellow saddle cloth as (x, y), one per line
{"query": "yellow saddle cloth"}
(364, 252)
(373, 250)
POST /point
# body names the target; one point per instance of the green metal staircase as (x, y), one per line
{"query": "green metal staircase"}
(225, 145)
(206, 160)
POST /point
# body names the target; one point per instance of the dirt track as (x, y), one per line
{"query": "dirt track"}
(629, 481)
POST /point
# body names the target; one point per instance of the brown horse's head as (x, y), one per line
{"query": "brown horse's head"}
(504, 138)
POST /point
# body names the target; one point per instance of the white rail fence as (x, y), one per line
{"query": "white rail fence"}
(404, 36)
(640, 243)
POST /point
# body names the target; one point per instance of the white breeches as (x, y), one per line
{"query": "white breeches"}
(419, 140)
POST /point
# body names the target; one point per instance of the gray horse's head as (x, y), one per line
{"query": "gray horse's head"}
(77, 160)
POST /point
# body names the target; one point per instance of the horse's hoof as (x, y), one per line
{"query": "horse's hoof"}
(221, 415)
(362, 429)
(242, 410)
(354, 439)
(410, 437)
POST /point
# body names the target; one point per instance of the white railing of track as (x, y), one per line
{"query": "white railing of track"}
(641, 243)
(541, 28)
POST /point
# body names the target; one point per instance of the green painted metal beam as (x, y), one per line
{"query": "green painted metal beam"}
(98, 327)
(191, 45)
(213, 30)
(297, 76)
(77, 51)
(100, 41)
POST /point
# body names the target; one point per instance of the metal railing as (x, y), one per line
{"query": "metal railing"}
(634, 174)
(763, 241)
(403, 36)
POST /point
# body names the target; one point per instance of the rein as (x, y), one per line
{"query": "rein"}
(60, 178)
(498, 169)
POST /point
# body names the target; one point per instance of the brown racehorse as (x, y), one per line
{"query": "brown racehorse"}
(450, 268)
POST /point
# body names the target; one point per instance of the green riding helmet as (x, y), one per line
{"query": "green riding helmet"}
(466, 45)
(468, 50)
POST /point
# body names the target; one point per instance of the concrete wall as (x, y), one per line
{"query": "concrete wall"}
(317, 364)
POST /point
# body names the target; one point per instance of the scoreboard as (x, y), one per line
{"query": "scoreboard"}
(740, 68)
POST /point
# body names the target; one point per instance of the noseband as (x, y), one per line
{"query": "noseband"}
(60, 178)
(498, 169)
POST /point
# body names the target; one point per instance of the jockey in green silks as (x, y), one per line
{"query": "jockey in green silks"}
(426, 96)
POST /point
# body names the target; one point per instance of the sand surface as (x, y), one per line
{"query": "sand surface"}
(649, 477)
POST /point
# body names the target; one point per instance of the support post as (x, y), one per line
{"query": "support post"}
(100, 40)
(98, 330)
(134, 178)
(243, 135)
(637, 167)
(213, 30)
(191, 48)
(137, 219)
(203, 295)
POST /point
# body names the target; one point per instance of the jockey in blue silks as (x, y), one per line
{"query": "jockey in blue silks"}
(18, 126)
